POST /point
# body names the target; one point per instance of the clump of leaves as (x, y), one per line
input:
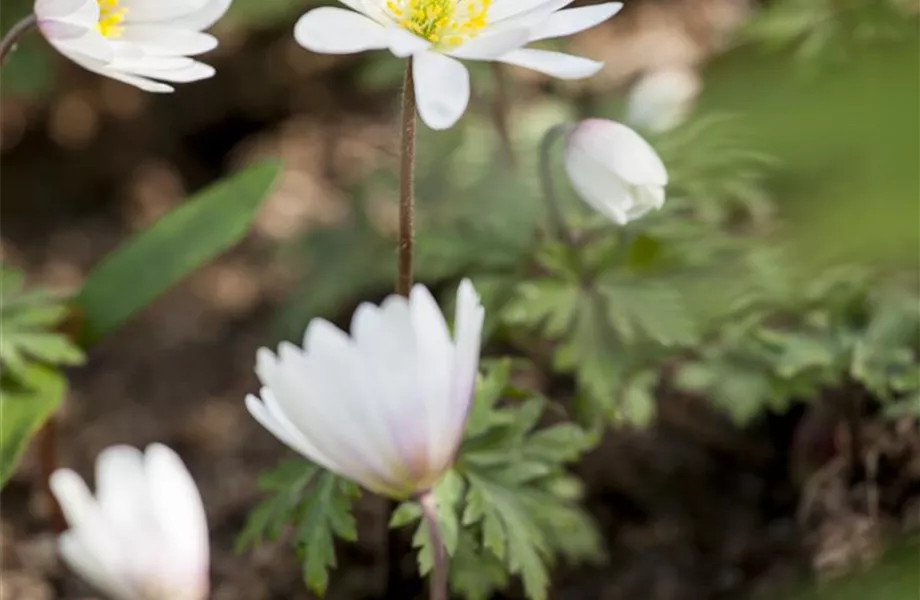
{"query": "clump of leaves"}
(31, 353)
(507, 509)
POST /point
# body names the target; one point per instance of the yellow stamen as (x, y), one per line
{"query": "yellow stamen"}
(110, 18)
(444, 23)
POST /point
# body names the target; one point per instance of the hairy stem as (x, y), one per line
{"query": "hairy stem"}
(406, 185)
(554, 209)
(438, 586)
(12, 36)
(500, 110)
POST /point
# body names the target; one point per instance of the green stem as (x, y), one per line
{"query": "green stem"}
(12, 36)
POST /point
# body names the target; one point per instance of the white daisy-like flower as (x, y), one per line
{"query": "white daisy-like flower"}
(140, 42)
(614, 170)
(437, 32)
(144, 536)
(384, 407)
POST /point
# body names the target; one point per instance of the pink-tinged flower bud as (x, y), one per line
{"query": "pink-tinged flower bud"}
(385, 406)
(614, 170)
(144, 535)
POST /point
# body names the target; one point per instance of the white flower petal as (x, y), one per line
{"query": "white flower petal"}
(490, 46)
(524, 11)
(200, 19)
(573, 20)
(85, 564)
(138, 11)
(84, 13)
(332, 30)
(404, 43)
(436, 356)
(468, 321)
(168, 41)
(442, 89)
(178, 512)
(555, 64)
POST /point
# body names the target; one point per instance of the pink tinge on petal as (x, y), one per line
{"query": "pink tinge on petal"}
(57, 30)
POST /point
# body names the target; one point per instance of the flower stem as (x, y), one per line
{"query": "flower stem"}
(12, 36)
(500, 114)
(438, 584)
(554, 209)
(406, 185)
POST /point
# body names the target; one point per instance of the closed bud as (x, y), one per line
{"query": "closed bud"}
(614, 170)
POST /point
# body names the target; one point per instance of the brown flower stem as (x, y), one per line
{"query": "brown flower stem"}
(500, 110)
(406, 185)
(8, 42)
(47, 463)
(438, 585)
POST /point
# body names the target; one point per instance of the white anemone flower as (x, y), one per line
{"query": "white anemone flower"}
(139, 42)
(144, 536)
(614, 170)
(384, 407)
(437, 32)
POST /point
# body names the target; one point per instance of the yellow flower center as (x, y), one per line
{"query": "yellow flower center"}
(110, 18)
(444, 23)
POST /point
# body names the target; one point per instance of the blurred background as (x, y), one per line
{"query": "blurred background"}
(761, 327)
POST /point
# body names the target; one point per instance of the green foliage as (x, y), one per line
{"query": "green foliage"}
(31, 388)
(509, 506)
(146, 266)
(316, 505)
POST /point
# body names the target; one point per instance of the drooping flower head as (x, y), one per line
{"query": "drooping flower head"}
(140, 42)
(614, 170)
(385, 406)
(144, 536)
(437, 32)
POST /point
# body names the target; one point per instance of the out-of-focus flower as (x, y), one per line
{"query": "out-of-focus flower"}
(140, 42)
(437, 32)
(662, 99)
(144, 536)
(616, 171)
(384, 407)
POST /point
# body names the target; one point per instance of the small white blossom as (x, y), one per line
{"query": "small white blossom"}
(139, 42)
(661, 100)
(614, 170)
(144, 536)
(437, 32)
(384, 407)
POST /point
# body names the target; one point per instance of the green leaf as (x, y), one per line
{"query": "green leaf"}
(25, 411)
(317, 504)
(150, 263)
(326, 511)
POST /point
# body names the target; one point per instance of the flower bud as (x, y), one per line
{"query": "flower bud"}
(144, 534)
(614, 170)
(662, 99)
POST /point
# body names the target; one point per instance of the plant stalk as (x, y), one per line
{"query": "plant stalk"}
(554, 209)
(12, 36)
(500, 114)
(438, 585)
(406, 185)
